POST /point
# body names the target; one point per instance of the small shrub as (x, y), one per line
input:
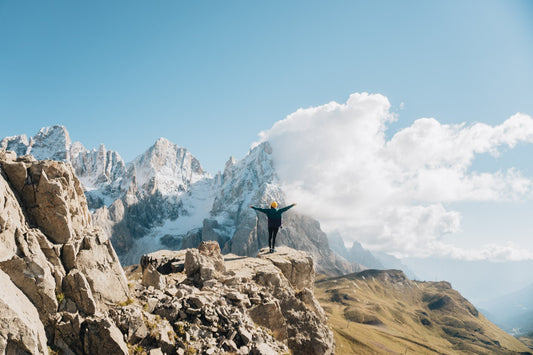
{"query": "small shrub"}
(60, 297)
(138, 350)
(126, 303)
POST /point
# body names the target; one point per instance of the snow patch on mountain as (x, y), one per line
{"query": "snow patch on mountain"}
(17, 144)
(55, 140)
(167, 168)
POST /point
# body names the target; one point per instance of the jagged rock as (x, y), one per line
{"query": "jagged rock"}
(7, 154)
(33, 274)
(284, 312)
(67, 333)
(68, 256)
(21, 331)
(269, 315)
(11, 220)
(298, 267)
(152, 277)
(76, 287)
(204, 263)
(218, 315)
(99, 262)
(165, 261)
(262, 349)
(307, 297)
(51, 196)
(168, 308)
(52, 187)
(101, 336)
(130, 321)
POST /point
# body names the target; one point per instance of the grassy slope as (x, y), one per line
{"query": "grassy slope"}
(383, 312)
(527, 339)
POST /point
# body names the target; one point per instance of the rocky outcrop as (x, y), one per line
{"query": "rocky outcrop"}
(245, 305)
(61, 272)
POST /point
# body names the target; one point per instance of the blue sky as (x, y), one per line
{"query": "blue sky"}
(211, 75)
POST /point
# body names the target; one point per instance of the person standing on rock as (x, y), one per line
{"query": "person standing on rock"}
(274, 221)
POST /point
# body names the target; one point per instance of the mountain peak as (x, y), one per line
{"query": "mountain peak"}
(167, 168)
(164, 142)
(51, 143)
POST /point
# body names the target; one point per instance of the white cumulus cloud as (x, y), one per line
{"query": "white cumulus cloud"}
(391, 194)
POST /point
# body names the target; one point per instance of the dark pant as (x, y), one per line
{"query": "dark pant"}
(272, 232)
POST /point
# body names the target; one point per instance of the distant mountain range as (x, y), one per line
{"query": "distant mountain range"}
(371, 260)
(164, 199)
(513, 312)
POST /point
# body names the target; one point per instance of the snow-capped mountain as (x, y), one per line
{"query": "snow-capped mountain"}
(49, 143)
(102, 172)
(164, 199)
(167, 168)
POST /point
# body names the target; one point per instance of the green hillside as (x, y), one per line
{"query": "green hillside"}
(383, 312)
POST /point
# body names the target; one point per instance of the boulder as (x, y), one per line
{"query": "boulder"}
(269, 315)
(77, 288)
(99, 263)
(101, 336)
(33, 274)
(204, 263)
(152, 277)
(21, 331)
(297, 266)
(67, 333)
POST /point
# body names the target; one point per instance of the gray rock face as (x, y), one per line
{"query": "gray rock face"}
(101, 336)
(21, 331)
(47, 302)
(151, 277)
(76, 287)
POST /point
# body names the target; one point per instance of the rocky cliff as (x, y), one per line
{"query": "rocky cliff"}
(59, 273)
(63, 289)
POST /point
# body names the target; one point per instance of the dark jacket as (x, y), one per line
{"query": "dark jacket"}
(273, 214)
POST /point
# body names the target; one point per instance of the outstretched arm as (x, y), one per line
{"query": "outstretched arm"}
(286, 208)
(264, 210)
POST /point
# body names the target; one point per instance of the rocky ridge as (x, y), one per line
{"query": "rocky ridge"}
(63, 287)
(243, 305)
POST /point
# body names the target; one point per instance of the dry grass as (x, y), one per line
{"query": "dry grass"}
(385, 313)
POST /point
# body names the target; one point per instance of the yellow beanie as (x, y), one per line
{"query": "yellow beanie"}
(274, 204)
